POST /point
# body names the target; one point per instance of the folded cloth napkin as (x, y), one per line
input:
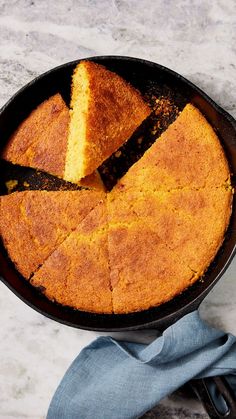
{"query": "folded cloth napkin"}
(123, 380)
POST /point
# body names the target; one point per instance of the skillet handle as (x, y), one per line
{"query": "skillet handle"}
(206, 387)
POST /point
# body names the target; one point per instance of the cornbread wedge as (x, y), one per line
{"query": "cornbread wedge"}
(40, 141)
(34, 223)
(187, 154)
(77, 273)
(105, 111)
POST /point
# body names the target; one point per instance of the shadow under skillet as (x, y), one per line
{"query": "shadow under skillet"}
(183, 396)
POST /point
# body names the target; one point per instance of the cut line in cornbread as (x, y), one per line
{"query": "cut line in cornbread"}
(77, 273)
(162, 243)
(105, 111)
(34, 223)
(40, 141)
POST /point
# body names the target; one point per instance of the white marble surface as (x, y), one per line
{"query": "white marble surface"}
(197, 39)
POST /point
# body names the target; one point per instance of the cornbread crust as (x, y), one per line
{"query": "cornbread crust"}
(40, 141)
(34, 223)
(77, 274)
(107, 110)
(187, 154)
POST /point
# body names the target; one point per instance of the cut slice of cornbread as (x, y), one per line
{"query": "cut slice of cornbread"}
(40, 141)
(77, 273)
(105, 111)
(34, 223)
(187, 154)
(144, 271)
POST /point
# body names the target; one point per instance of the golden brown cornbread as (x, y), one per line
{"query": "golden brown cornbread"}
(186, 225)
(105, 111)
(153, 236)
(77, 273)
(177, 195)
(144, 272)
(34, 223)
(40, 141)
(188, 153)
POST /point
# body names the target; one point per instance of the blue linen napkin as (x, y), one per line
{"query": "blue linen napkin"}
(123, 380)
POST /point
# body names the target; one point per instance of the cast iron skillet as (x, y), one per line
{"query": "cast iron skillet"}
(141, 74)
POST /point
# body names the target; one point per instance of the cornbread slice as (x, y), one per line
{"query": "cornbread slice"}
(162, 242)
(40, 141)
(34, 223)
(187, 154)
(196, 228)
(76, 274)
(144, 272)
(105, 111)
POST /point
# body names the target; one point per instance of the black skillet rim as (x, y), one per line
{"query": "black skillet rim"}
(172, 314)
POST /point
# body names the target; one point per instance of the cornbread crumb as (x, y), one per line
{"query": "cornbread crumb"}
(11, 185)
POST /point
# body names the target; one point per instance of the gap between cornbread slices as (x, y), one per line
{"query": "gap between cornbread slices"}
(187, 154)
(33, 223)
(40, 141)
(105, 111)
(77, 273)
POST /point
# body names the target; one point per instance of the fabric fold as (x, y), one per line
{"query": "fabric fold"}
(123, 380)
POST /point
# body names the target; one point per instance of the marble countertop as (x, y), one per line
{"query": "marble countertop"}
(195, 38)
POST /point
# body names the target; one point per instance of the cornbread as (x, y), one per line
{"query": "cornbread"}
(40, 141)
(93, 181)
(77, 274)
(168, 215)
(161, 242)
(145, 271)
(34, 223)
(148, 239)
(105, 111)
(187, 154)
